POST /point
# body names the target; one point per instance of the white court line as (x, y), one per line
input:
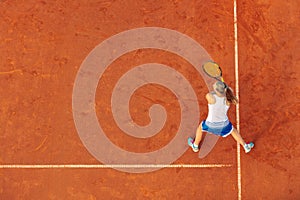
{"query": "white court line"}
(236, 66)
(90, 166)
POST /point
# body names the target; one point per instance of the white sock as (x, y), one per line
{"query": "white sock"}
(196, 146)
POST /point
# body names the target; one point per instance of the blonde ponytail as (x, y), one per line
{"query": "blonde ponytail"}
(230, 97)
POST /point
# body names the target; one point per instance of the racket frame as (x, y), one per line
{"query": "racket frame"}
(219, 78)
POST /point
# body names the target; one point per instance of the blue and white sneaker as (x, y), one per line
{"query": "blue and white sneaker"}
(248, 147)
(192, 145)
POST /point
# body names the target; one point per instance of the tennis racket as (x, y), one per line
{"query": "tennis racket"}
(213, 70)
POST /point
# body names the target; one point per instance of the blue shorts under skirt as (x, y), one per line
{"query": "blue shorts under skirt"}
(218, 128)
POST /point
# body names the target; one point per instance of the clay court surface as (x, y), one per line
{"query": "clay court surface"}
(42, 46)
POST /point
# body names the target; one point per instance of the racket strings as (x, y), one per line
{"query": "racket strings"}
(212, 69)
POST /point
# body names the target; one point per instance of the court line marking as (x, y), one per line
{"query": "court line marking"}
(236, 66)
(100, 166)
(11, 72)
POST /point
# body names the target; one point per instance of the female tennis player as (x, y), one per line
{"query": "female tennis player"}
(217, 121)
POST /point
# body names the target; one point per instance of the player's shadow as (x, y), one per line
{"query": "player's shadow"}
(207, 144)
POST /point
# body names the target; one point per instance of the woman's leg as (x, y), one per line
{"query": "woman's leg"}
(236, 135)
(198, 135)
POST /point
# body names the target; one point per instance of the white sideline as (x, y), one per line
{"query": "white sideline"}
(236, 66)
(100, 166)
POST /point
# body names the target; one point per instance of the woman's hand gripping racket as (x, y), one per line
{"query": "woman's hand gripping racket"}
(213, 70)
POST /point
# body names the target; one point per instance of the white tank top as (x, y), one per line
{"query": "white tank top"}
(217, 112)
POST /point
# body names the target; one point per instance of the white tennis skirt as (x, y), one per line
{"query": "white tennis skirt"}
(218, 128)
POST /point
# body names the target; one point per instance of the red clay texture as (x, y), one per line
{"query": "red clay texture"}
(42, 46)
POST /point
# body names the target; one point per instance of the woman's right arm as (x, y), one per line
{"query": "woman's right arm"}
(210, 98)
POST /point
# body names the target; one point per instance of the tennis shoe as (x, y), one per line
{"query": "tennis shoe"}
(191, 144)
(248, 147)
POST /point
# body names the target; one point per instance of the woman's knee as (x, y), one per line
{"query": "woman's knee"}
(200, 126)
(234, 131)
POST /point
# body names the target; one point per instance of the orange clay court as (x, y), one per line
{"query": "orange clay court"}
(42, 46)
